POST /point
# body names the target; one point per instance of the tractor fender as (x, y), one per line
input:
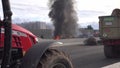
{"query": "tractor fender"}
(34, 54)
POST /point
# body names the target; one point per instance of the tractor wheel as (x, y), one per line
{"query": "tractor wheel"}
(53, 58)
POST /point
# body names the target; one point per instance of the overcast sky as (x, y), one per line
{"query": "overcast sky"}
(87, 10)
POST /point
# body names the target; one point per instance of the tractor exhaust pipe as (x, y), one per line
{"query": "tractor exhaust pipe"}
(8, 34)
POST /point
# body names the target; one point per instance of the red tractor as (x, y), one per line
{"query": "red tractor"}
(19, 47)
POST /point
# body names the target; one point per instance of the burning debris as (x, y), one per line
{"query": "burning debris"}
(64, 18)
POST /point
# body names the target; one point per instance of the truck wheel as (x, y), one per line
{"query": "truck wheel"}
(53, 58)
(110, 51)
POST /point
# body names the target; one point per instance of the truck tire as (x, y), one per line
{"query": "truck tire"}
(110, 51)
(53, 58)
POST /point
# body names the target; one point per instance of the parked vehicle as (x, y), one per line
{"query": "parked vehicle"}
(110, 34)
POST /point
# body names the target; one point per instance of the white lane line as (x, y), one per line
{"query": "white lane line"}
(115, 65)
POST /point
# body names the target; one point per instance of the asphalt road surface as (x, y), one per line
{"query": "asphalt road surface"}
(89, 57)
(83, 56)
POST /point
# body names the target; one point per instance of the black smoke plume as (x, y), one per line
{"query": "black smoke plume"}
(64, 18)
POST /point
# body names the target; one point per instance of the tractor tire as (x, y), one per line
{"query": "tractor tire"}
(53, 58)
(110, 52)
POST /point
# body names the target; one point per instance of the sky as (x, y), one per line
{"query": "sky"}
(88, 11)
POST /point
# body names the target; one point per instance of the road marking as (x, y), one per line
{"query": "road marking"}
(115, 65)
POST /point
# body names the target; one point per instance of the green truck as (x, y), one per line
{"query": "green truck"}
(109, 27)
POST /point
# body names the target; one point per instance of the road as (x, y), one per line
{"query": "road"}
(83, 56)
(66, 41)
(89, 56)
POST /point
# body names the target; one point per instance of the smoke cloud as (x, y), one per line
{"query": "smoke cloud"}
(64, 18)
